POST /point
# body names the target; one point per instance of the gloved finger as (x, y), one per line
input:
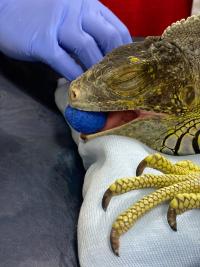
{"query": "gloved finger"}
(122, 29)
(82, 45)
(63, 63)
(103, 32)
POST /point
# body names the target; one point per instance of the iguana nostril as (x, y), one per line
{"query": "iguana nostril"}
(74, 93)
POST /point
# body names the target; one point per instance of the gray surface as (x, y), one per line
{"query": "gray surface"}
(40, 176)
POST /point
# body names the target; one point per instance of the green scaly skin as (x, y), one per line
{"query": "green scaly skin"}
(159, 76)
(159, 79)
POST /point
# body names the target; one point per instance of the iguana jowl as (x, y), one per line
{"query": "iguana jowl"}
(156, 85)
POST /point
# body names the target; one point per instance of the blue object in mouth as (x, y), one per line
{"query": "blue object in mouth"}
(84, 121)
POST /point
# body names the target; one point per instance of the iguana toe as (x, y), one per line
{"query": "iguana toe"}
(181, 186)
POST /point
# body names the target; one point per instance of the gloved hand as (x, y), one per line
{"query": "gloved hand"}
(51, 30)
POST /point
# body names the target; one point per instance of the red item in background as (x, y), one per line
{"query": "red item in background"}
(149, 17)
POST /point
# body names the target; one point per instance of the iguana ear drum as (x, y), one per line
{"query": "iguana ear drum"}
(187, 95)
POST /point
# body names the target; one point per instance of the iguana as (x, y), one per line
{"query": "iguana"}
(151, 91)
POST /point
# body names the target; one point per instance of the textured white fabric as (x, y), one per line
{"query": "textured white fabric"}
(195, 7)
(150, 242)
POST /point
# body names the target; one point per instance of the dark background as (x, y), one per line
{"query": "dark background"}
(41, 173)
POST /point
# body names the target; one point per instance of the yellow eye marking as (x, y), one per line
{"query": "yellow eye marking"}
(133, 59)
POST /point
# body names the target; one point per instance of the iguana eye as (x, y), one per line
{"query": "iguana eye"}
(131, 82)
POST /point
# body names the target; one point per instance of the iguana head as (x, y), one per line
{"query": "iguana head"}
(144, 87)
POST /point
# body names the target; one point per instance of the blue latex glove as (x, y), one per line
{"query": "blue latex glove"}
(51, 30)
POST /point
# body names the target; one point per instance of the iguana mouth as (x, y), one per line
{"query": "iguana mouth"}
(118, 119)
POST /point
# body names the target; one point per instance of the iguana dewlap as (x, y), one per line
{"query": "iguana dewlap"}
(157, 84)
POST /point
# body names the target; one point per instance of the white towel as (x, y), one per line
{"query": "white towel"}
(195, 7)
(151, 242)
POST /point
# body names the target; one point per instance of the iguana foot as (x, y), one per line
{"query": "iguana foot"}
(180, 183)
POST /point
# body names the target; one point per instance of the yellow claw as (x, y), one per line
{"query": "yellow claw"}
(125, 221)
(171, 218)
(114, 241)
(179, 204)
(160, 163)
(106, 199)
(125, 185)
(180, 184)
